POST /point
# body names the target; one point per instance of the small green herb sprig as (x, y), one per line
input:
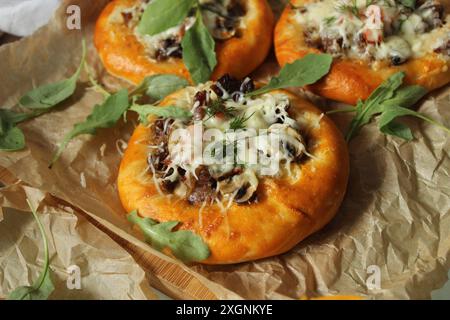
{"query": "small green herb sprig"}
(198, 44)
(218, 107)
(329, 20)
(37, 101)
(302, 72)
(349, 7)
(239, 122)
(111, 110)
(388, 102)
(409, 3)
(43, 287)
(103, 116)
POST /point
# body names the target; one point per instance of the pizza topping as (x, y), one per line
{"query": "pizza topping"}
(204, 187)
(375, 30)
(221, 17)
(432, 12)
(127, 17)
(242, 185)
(241, 140)
(443, 47)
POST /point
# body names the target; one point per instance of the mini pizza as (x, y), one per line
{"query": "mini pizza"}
(253, 176)
(370, 41)
(242, 30)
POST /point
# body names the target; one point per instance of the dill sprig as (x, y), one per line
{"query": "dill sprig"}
(239, 122)
(217, 107)
(329, 20)
(351, 8)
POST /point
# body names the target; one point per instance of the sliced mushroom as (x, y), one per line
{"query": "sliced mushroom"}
(223, 171)
(169, 179)
(181, 190)
(396, 49)
(204, 187)
(291, 142)
(243, 185)
(220, 23)
(221, 32)
(432, 13)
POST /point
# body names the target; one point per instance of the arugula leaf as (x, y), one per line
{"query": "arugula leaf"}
(199, 54)
(40, 100)
(185, 245)
(165, 112)
(161, 15)
(366, 110)
(159, 86)
(406, 96)
(409, 3)
(12, 139)
(48, 96)
(390, 101)
(301, 72)
(13, 118)
(11, 136)
(43, 287)
(103, 116)
(397, 129)
(387, 124)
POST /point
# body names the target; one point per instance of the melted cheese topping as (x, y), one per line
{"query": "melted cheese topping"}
(215, 19)
(375, 30)
(267, 142)
(266, 119)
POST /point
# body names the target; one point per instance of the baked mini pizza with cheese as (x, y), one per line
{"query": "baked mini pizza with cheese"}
(252, 175)
(370, 40)
(242, 30)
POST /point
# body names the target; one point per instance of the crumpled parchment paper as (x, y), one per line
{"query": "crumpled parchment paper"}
(390, 239)
(106, 270)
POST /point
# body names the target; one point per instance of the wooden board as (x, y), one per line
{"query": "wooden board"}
(170, 279)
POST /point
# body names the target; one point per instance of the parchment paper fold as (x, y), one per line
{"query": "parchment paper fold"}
(104, 269)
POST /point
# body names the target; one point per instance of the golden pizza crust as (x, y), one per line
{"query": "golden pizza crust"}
(125, 57)
(350, 80)
(287, 210)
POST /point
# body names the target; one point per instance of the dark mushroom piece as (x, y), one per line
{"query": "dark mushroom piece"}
(243, 186)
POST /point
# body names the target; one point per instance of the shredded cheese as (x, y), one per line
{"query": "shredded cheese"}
(102, 150)
(266, 144)
(374, 30)
(83, 180)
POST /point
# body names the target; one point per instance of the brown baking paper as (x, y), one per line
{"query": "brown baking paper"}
(106, 270)
(394, 223)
